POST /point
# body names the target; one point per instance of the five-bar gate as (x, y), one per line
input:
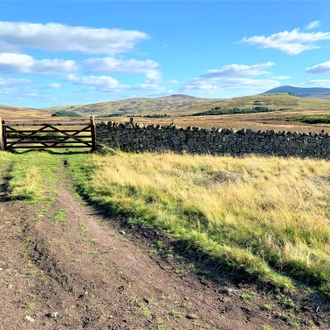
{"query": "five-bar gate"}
(40, 135)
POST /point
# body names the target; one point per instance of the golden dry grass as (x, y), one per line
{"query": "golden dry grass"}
(269, 216)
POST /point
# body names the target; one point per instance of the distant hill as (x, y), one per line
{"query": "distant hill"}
(255, 103)
(134, 106)
(9, 112)
(314, 92)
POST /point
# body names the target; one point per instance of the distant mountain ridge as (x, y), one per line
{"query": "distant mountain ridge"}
(314, 92)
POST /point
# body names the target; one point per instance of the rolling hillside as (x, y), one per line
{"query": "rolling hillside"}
(271, 101)
(315, 92)
(135, 106)
(7, 112)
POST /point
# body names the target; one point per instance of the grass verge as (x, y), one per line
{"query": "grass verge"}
(266, 216)
(32, 176)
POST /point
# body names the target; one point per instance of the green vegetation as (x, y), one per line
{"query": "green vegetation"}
(248, 296)
(311, 119)
(65, 113)
(32, 178)
(267, 307)
(270, 220)
(235, 110)
(156, 115)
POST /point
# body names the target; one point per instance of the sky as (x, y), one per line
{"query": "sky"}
(77, 52)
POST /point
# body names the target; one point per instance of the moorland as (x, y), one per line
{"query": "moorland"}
(162, 241)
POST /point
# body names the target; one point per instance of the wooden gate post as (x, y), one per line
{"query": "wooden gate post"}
(93, 131)
(2, 142)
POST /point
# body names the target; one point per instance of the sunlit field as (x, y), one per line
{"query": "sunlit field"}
(266, 216)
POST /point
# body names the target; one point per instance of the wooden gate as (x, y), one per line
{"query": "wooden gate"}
(40, 135)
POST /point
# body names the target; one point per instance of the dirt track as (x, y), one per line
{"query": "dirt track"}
(68, 266)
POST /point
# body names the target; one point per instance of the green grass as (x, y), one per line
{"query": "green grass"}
(32, 176)
(270, 220)
(311, 119)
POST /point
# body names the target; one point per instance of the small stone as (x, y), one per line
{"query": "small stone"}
(29, 319)
(191, 316)
(227, 291)
(54, 315)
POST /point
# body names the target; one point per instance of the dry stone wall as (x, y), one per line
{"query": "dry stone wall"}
(135, 137)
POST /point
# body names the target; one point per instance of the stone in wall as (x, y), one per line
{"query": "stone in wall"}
(135, 137)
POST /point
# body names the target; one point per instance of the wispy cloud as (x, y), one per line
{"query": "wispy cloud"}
(320, 82)
(292, 43)
(13, 81)
(55, 37)
(319, 68)
(54, 85)
(231, 77)
(22, 63)
(97, 82)
(236, 70)
(312, 25)
(148, 68)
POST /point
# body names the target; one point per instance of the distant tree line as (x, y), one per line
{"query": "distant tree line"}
(156, 115)
(235, 110)
(65, 113)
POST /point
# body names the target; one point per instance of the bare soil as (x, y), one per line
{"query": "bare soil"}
(68, 265)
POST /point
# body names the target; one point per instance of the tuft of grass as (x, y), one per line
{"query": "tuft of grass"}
(58, 216)
(287, 302)
(267, 307)
(248, 296)
(175, 313)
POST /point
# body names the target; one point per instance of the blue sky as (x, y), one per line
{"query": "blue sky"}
(72, 52)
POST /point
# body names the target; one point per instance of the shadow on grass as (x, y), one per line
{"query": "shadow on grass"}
(51, 151)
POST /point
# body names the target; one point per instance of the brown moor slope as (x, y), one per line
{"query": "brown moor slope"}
(8, 112)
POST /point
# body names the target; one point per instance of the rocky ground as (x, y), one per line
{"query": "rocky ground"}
(68, 265)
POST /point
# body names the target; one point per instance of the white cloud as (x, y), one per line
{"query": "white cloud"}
(156, 88)
(320, 82)
(173, 81)
(112, 65)
(292, 43)
(22, 63)
(55, 37)
(312, 25)
(55, 85)
(319, 68)
(232, 77)
(281, 77)
(97, 82)
(236, 70)
(13, 81)
(247, 84)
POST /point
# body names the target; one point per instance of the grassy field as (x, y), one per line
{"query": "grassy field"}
(268, 217)
(279, 121)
